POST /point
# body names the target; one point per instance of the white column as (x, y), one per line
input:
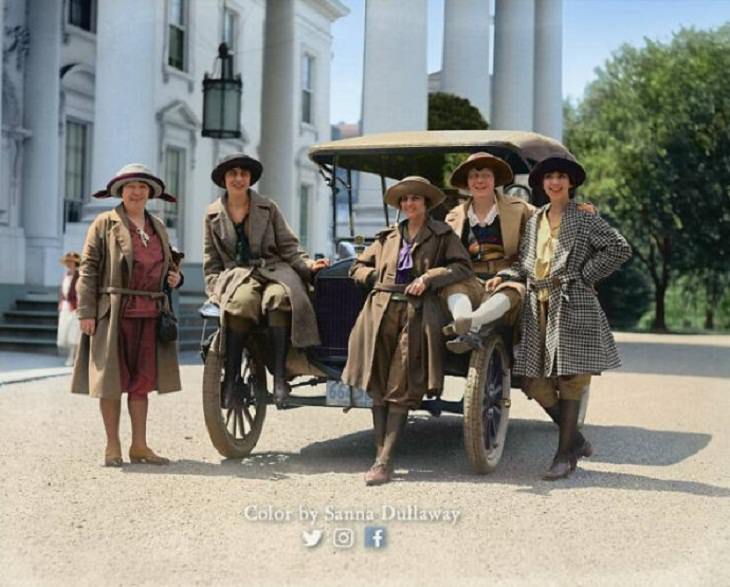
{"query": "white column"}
(127, 67)
(514, 54)
(395, 86)
(42, 198)
(465, 69)
(278, 112)
(549, 68)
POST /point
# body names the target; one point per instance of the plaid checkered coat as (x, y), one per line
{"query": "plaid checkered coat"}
(578, 338)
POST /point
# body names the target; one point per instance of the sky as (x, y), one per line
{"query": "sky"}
(592, 31)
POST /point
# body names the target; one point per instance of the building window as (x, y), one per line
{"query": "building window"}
(82, 14)
(307, 88)
(76, 185)
(177, 30)
(305, 192)
(175, 183)
(230, 29)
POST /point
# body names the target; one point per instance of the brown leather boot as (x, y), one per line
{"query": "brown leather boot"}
(382, 469)
(235, 341)
(564, 462)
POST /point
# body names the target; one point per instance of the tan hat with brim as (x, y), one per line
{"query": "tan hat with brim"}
(72, 256)
(135, 172)
(502, 171)
(414, 185)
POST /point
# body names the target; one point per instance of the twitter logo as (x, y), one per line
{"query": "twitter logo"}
(312, 538)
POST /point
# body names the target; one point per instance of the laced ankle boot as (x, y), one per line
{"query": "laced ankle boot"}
(382, 469)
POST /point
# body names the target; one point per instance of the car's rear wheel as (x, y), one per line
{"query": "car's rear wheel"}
(235, 430)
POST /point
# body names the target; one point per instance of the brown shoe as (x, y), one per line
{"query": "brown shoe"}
(147, 457)
(378, 474)
(113, 458)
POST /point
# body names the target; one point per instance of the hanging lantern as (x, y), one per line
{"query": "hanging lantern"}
(222, 100)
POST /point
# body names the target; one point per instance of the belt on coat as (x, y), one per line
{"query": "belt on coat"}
(131, 292)
(558, 282)
(396, 291)
(254, 263)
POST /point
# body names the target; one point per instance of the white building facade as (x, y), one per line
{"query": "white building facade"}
(90, 85)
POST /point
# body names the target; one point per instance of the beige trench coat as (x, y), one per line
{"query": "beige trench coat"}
(440, 258)
(107, 261)
(513, 216)
(271, 239)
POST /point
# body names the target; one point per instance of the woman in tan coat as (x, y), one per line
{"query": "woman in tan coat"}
(125, 264)
(396, 348)
(254, 270)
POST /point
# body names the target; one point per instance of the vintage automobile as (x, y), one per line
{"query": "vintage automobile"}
(337, 301)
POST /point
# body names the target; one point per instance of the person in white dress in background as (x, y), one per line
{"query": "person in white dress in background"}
(69, 332)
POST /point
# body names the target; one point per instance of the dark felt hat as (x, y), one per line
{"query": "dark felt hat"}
(135, 172)
(563, 163)
(231, 162)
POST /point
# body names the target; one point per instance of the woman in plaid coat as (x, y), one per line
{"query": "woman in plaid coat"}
(565, 335)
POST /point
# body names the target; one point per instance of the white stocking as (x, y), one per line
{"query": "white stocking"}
(460, 308)
(491, 310)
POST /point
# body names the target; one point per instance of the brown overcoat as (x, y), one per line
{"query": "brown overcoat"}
(440, 258)
(271, 239)
(106, 261)
(513, 216)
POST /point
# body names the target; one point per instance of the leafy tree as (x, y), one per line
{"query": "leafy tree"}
(654, 134)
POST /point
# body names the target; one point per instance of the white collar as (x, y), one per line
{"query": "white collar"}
(488, 221)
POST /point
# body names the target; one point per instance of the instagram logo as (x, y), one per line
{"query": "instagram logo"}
(343, 538)
(375, 537)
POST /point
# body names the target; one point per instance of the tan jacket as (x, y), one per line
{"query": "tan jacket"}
(106, 261)
(439, 256)
(271, 239)
(513, 216)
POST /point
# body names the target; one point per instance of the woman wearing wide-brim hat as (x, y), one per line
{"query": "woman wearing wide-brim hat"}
(69, 332)
(489, 225)
(126, 264)
(395, 350)
(565, 335)
(256, 272)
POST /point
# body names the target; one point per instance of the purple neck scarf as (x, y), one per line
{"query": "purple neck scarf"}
(405, 262)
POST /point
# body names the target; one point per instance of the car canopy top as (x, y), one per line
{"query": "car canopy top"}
(397, 154)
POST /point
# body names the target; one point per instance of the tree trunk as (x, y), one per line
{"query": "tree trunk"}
(709, 318)
(660, 324)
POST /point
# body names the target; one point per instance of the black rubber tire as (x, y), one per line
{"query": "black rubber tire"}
(233, 432)
(487, 404)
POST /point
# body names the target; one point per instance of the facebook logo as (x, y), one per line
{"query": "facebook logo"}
(375, 537)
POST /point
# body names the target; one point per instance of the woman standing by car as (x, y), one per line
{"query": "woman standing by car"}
(565, 335)
(254, 270)
(125, 264)
(395, 351)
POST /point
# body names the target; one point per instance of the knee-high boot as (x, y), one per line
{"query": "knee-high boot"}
(562, 464)
(280, 342)
(582, 447)
(235, 341)
(380, 472)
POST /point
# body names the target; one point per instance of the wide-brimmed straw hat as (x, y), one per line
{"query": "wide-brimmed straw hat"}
(501, 169)
(135, 172)
(417, 186)
(241, 160)
(71, 256)
(563, 163)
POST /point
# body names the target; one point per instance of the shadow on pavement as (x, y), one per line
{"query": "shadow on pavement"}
(675, 359)
(432, 451)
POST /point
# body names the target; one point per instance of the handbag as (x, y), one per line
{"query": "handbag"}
(167, 321)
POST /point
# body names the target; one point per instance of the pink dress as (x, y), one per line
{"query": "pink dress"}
(138, 332)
